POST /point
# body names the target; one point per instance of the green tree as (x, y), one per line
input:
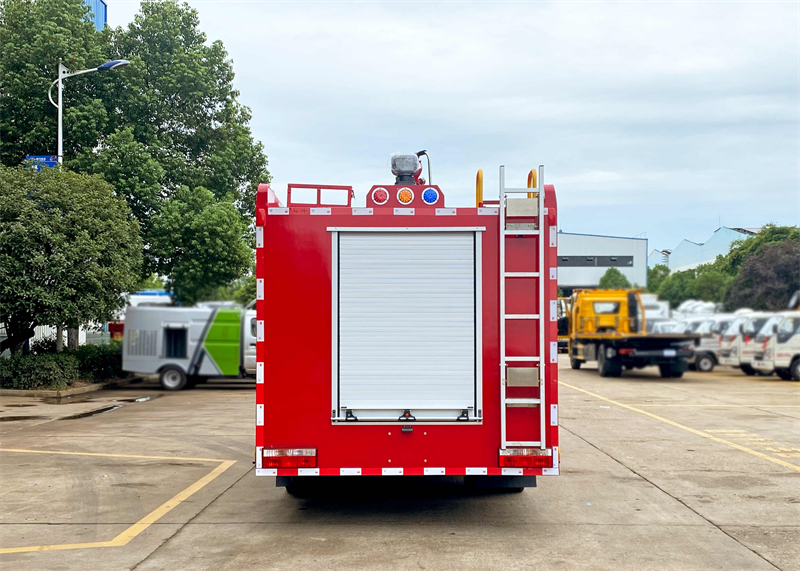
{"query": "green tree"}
(741, 250)
(677, 288)
(35, 35)
(767, 279)
(69, 250)
(178, 98)
(170, 119)
(197, 241)
(709, 284)
(656, 276)
(613, 279)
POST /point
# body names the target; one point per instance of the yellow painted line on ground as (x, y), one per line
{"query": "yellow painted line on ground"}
(129, 534)
(723, 405)
(761, 455)
(110, 455)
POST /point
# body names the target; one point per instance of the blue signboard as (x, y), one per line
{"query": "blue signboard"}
(40, 161)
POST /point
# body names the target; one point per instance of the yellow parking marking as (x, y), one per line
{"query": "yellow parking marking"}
(724, 405)
(129, 534)
(789, 465)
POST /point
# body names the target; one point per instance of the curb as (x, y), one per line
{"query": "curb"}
(69, 392)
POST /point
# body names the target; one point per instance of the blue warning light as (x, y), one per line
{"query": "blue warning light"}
(430, 196)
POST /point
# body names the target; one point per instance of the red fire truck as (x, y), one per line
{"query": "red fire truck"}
(407, 338)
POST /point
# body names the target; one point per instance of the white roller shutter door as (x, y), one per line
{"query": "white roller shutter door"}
(406, 321)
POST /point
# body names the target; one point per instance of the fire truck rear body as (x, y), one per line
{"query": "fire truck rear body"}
(379, 346)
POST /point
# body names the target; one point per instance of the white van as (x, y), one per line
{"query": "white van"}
(780, 349)
(706, 349)
(737, 345)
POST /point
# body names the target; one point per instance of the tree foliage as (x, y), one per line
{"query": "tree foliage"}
(197, 242)
(768, 278)
(69, 249)
(656, 276)
(169, 119)
(35, 35)
(741, 250)
(613, 279)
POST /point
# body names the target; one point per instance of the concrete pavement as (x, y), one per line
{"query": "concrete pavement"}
(695, 473)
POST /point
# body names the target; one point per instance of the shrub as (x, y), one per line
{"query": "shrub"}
(99, 362)
(50, 370)
(44, 345)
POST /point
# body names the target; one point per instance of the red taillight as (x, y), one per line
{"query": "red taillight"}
(747, 339)
(627, 351)
(525, 458)
(289, 458)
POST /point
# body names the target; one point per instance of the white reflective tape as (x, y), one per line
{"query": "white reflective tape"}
(260, 330)
(259, 415)
(553, 310)
(349, 471)
(488, 211)
(404, 211)
(320, 211)
(259, 237)
(549, 471)
(545, 211)
(259, 288)
(554, 415)
(259, 373)
(512, 471)
(554, 351)
(553, 273)
(259, 456)
(476, 471)
(445, 212)
(553, 236)
(433, 471)
(278, 211)
(308, 471)
(391, 471)
(266, 472)
(362, 211)
(555, 457)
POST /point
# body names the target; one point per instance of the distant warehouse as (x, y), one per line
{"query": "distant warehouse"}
(584, 258)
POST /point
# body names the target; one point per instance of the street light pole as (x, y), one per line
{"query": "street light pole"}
(64, 73)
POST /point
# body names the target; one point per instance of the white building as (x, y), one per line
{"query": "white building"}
(584, 258)
(688, 254)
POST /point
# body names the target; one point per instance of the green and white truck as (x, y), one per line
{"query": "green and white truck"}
(187, 345)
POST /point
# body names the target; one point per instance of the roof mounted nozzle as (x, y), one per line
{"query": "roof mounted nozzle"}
(404, 167)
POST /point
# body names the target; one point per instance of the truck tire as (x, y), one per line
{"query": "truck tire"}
(704, 363)
(607, 367)
(575, 363)
(784, 374)
(747, 370)
(172, 378)
(794, 369)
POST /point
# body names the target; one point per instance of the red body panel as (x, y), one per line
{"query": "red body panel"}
(294, 258)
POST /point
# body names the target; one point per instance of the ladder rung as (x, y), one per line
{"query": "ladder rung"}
(521, 232)
(522, 402)
(523, 443)
(521, 274)
(519, 190)
(515, 359)
(521, 316)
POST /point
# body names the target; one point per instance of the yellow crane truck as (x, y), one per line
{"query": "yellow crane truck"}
(608, 326)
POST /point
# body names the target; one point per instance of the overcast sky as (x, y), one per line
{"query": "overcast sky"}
(658, 119)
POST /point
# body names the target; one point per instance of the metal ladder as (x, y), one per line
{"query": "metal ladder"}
(539, 277)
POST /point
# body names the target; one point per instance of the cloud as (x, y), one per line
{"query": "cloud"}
(658, 117)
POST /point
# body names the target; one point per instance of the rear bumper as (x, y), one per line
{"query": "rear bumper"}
(465, 471)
